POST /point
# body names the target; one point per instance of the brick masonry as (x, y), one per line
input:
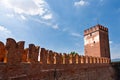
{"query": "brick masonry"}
(35, 63)
(23, 64)
(97, 41)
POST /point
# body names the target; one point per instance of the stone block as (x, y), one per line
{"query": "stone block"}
(33, 53)
(15, 50)
(51, 57)
(66, 58)
(2, 52)
(43, 56)
(25, 55)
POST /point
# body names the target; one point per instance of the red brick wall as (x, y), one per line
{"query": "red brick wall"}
(28, 71)
(23, 64)
(104, 44)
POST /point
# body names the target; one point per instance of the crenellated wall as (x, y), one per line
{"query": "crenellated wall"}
(95, 28)
(16, 62)
(13, 52)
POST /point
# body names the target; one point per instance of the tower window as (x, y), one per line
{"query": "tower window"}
(90, 34)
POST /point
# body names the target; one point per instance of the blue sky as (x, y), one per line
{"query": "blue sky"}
(58, 25)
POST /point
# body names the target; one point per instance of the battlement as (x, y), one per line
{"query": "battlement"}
(14, 53)
(95, 28)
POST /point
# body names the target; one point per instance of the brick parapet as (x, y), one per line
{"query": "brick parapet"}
(15, 53)
(95, 28)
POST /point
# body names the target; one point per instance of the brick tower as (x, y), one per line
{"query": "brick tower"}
(96, 41)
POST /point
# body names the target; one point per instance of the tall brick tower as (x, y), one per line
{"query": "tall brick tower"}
(96, 41)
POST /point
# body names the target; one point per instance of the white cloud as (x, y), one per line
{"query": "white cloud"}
(52, 25)
(81, 3)
(25, 9)
(10, 15)
(47, 17)
(28, 7)
(75, 34)
(5, 33)
(55, 26)
(23, 17)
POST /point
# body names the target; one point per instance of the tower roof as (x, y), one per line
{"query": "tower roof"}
(95, 28)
